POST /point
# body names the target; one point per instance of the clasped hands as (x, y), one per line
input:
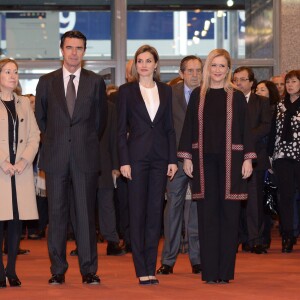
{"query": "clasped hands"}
(17, 168)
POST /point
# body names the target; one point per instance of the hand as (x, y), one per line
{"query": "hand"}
(126, 171)
(116, 173)
(188, 167)
(8, 168)
(172, 169)
(20, 166)
(247, 168)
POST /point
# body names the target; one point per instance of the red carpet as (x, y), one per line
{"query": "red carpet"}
(267, 276)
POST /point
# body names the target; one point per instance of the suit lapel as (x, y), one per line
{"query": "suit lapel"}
(59, 90)
(141, 102)
(81, 92)
(162, 101)
(181, 96)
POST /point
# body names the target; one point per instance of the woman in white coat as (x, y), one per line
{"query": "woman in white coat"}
(19, 141)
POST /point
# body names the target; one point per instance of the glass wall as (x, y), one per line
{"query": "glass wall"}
(180, 33)
(36, 35)
(32, 37)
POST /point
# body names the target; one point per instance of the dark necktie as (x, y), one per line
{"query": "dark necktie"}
(71, 95)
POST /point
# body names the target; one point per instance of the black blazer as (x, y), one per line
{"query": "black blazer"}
(65, 137)
(260, 119)
(145, 136)
(108, 149)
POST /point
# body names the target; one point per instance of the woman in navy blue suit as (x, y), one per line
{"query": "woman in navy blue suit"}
(147, 151)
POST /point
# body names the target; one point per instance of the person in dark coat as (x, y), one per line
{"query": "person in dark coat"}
(71, 109)
(217, 148)
(252, 215)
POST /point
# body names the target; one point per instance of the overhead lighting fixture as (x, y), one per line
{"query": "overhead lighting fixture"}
(206, 25)
(196, 40)
(203, 33)
(220, 13)
(230, 3)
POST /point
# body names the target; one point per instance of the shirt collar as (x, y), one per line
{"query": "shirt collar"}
(187, 89)
(66, 73)
(248, 96)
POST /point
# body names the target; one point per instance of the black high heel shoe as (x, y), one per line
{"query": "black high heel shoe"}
(2, 283)
(144, 282)
(14, 281)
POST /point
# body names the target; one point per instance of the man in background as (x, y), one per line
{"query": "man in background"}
(191, 73)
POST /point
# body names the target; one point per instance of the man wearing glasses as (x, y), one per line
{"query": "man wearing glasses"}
(252, 214)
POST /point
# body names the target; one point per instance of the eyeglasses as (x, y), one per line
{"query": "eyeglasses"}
(220, 66)
(236, 80)
(192, 71)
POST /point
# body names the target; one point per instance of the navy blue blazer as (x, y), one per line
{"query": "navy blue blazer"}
(138, 136)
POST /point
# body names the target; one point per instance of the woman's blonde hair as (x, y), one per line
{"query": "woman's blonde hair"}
(153, 51)
(206, 80)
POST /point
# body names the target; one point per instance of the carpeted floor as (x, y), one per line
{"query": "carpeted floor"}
(267, 276)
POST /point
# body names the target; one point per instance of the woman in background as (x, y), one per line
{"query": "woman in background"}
(19, 135)
(284, 148)
(268, 89)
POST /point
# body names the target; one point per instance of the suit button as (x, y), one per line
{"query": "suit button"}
(69, 140)
(71, 125)
(152, 126)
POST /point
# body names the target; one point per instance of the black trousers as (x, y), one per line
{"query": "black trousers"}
(123, 204)
(34, 226)
(252, 215)
(288, 177)
(84, 187)
(218, 223)
(14, 230)
(107, 214)
(146, 190)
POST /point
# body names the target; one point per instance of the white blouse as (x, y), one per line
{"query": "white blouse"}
(151, 98)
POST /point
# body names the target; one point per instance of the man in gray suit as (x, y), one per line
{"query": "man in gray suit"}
(71, 112)
(190, 72)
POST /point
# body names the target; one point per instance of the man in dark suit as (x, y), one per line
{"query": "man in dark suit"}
(122, 188)
(252, 214)
(71, 111)
(107, 182)
(191, 73)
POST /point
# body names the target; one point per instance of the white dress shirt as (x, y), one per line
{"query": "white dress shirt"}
(66, 77)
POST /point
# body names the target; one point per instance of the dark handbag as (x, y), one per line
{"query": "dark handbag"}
(270, 197)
